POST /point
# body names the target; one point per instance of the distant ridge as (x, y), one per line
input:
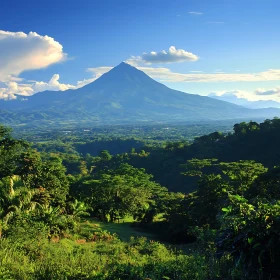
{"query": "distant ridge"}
(230, 97)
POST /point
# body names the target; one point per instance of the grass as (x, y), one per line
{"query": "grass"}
(123, 229)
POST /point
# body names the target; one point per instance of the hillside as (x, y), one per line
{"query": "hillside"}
(250, 141)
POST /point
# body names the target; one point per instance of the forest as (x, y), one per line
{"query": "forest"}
(163, 202)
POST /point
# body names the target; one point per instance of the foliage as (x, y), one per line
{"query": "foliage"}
(231, 216)
(250, 233)
(119, 192)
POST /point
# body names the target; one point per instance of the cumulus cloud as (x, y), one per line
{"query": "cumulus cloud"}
(220, 93)
(235, 96)
(170, 56)
(232, 93)
(13, 89)
(195, 13)
(53, 85)
(273, 91)
(20, 52)
(256, 95)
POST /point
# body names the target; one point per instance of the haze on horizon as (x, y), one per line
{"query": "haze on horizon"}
(202, 47)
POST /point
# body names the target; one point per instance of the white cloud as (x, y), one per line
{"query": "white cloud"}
(273, 91)
(53, 84)
(20, 52)
(170, 56)
(237, 93)
(195, 13)
(13, 88)
(166, 75)
(258, 94)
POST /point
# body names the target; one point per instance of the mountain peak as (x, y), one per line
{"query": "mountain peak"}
(122, 75)
(123, 66)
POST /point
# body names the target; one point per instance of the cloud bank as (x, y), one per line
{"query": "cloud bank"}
(166, 75)
(265, 92)
(13, 88)
(20, 52)
(256, 95)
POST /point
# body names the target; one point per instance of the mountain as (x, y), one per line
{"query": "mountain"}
(122, 95)
(232, 98)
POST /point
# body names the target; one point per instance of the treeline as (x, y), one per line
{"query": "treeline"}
(165, 157)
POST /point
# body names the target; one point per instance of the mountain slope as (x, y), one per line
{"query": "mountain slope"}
(126, 94)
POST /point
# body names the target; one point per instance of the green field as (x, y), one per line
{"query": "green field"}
(123, 229)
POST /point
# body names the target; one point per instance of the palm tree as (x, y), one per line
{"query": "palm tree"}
(79, 209)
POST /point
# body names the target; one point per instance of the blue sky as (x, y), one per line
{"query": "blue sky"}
(221, 46)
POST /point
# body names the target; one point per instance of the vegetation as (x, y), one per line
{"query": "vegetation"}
(68, 212)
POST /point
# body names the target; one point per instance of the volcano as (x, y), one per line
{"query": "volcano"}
(123, 95)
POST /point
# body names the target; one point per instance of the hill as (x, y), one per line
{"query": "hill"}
(250, 141)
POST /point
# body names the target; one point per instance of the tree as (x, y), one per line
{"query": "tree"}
(78, 209)
(105, 155)
(216, 181)
(266, 186)
(10, 153)
(250, 234)
(48, 174)
(240, 128)
(242, 174)
(118, 192)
